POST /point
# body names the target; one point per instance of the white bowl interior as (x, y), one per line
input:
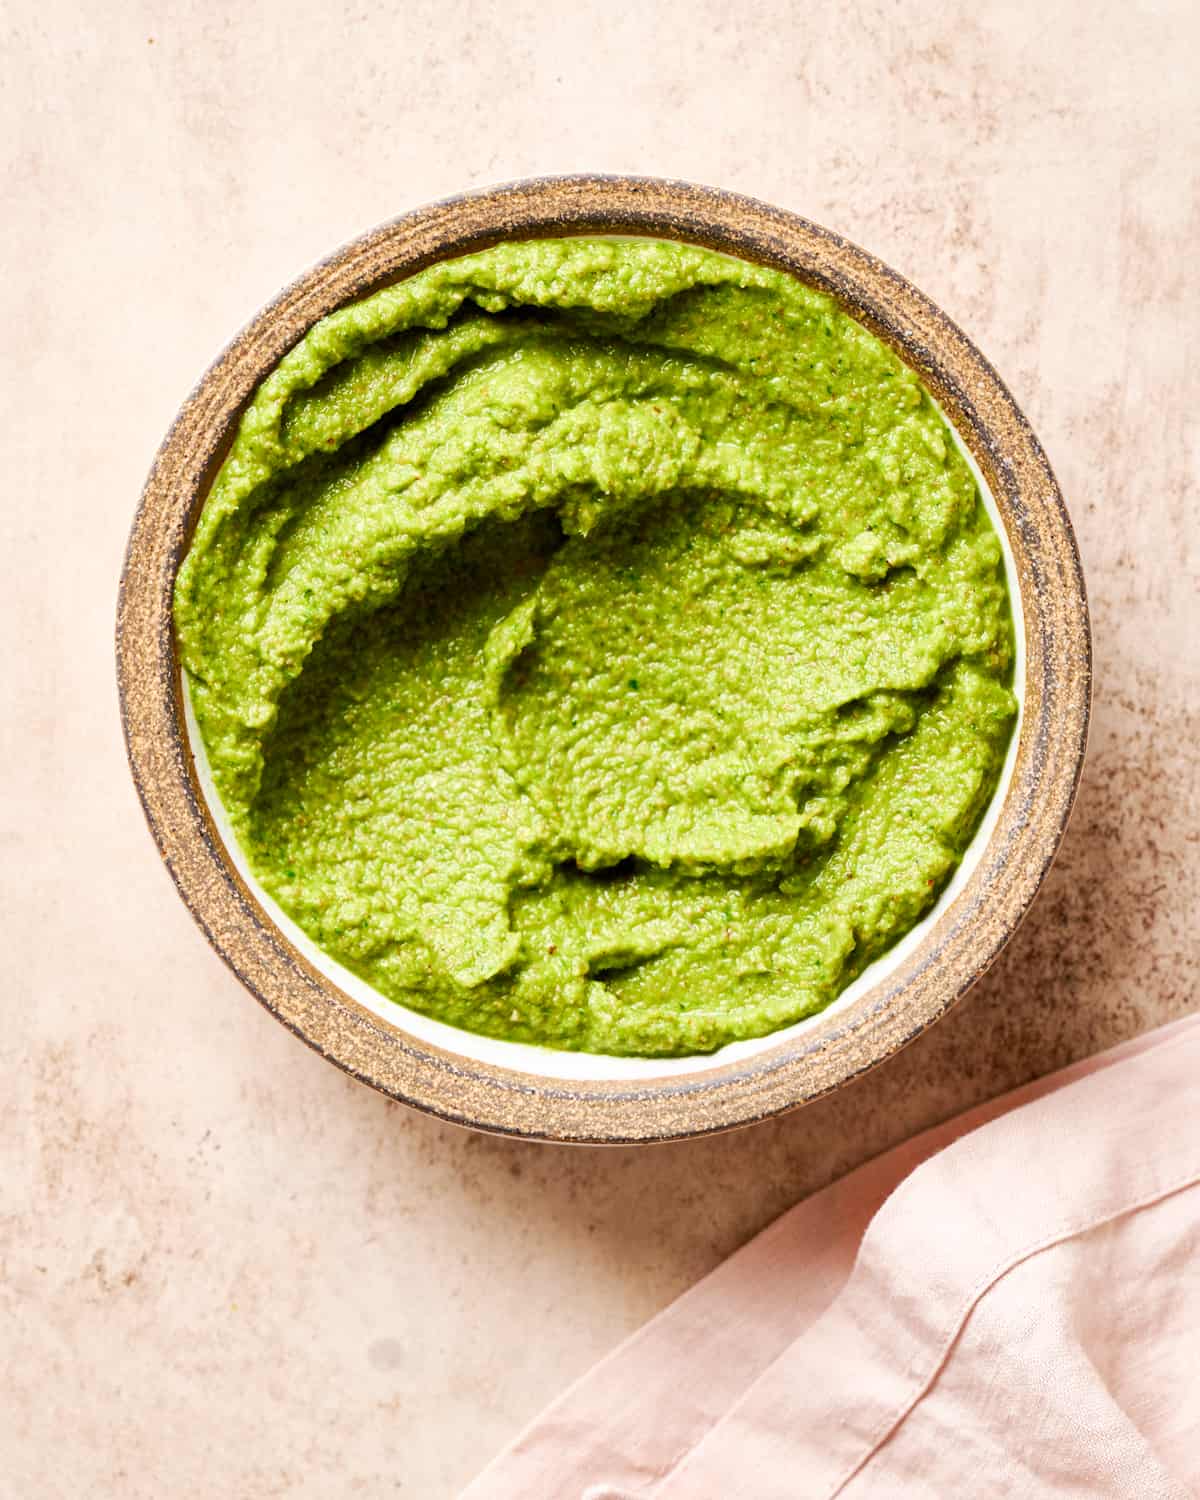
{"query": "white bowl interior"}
(593, 1067)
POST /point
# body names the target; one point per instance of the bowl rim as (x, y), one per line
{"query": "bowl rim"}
(960, 944)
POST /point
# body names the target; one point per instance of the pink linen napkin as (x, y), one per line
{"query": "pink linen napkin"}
(1006, 1305)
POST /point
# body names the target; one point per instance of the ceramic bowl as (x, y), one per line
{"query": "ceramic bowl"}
(530, 1091)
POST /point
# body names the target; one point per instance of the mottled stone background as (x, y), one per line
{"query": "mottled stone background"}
(225, 1270)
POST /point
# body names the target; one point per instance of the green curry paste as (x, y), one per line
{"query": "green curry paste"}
(599, 643)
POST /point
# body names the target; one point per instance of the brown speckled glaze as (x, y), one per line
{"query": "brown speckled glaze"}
(954, 951)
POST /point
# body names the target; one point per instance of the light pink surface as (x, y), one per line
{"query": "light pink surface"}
(1008, 1304)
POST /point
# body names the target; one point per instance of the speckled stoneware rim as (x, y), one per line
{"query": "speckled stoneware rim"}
(958, 946)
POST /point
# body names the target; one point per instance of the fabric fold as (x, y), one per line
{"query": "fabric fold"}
(939, 1284)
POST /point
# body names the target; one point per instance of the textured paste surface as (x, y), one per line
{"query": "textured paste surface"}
(599, 643)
